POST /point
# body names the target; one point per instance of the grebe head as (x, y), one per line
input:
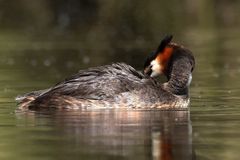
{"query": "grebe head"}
(175, 62)
(153, 66)
(161, 61)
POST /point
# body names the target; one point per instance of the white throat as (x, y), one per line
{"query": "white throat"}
(189, 80)
(156, 68)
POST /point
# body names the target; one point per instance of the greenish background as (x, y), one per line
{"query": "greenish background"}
(44, 41)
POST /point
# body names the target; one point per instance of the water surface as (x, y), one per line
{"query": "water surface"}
(38, 51)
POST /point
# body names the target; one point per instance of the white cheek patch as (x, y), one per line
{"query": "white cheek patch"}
(156, 68)
(189, 80)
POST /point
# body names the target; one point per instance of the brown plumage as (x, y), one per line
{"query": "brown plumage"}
(120, 85)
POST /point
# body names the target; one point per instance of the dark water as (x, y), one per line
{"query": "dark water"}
(38, 51)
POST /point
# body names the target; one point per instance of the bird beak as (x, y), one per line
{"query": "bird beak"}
(148, 70)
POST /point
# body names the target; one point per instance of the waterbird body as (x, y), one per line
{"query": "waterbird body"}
(121, 86)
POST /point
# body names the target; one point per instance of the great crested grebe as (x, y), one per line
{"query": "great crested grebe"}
(120, 85)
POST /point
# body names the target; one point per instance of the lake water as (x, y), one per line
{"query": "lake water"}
(208, 131)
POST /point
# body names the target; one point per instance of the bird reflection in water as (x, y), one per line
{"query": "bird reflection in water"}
(131, 134)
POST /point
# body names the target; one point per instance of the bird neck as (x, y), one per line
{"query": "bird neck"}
(179, 77)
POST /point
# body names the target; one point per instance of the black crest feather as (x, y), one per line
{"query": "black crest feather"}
(166, 40)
